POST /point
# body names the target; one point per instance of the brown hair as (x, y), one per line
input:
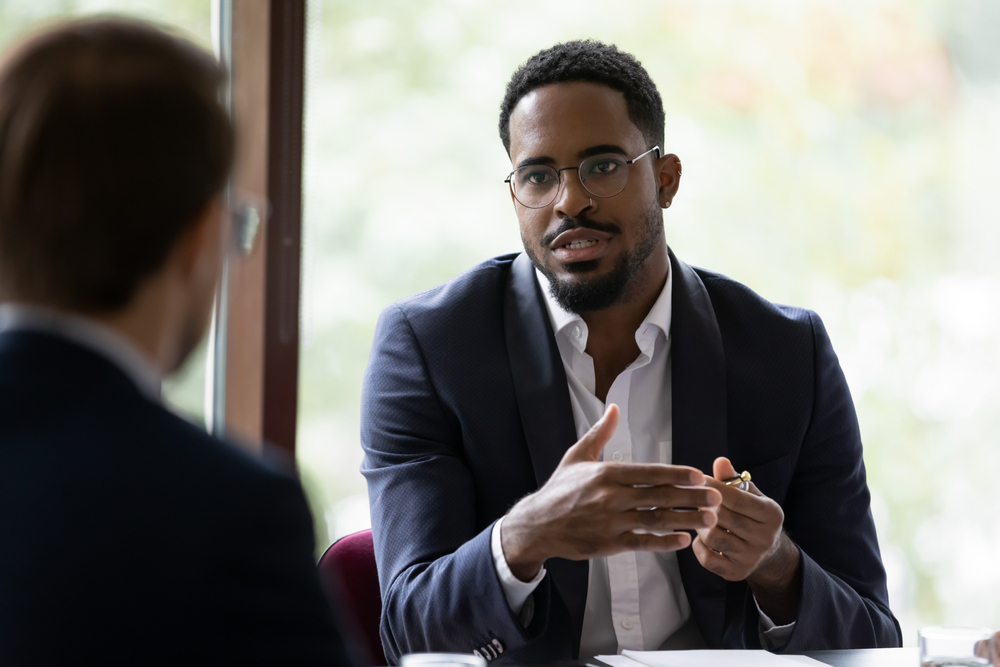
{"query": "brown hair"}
(113, 140)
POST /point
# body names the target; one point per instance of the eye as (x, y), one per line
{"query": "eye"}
(536, 177)
(604, 167)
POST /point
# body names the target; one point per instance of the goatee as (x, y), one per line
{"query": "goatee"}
(599, 292)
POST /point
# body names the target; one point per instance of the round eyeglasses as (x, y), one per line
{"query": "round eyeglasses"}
(604, 175)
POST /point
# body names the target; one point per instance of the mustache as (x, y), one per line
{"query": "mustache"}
(579, 221)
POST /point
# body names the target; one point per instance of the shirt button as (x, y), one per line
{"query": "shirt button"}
(627, 623)
(617, 456)
(576, 332)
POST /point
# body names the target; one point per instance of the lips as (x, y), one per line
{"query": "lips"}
(580, 245)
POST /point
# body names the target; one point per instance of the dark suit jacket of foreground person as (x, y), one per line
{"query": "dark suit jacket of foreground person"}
(466, 409)
(128, 535)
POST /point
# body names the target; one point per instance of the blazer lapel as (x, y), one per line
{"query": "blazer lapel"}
(546, 413)
(699, 424)
(539, 377)
(699, 373)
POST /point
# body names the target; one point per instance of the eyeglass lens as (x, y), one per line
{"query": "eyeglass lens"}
(536, 186)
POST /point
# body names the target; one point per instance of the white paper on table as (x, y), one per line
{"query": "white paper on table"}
(617, 661)
(723, 658)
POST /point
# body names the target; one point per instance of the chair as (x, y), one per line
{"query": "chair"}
(350, 578)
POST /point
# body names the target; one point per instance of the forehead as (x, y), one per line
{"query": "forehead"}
(559, 120)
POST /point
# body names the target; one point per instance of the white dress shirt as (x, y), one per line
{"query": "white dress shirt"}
(635, 600)
(86, 333)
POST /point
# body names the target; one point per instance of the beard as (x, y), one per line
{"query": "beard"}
(600, 292)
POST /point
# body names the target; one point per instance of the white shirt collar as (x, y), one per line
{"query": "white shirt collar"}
(87, 333)
(572, 326)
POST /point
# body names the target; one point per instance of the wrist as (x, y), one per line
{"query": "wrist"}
(777, 582)
(778, 571)
(523, 558)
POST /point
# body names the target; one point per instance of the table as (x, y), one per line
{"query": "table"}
(858, 657)
(869, 657)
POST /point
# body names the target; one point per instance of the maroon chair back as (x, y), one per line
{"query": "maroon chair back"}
(350, 577)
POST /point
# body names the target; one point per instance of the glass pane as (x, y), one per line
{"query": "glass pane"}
(193, 18)
(838, 156)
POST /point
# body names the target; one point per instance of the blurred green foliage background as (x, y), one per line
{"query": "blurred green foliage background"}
(841, 155)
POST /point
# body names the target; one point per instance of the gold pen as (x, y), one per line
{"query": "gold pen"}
(742, 482)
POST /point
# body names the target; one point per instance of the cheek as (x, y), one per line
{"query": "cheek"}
(642, 186)
(217, 256)
(632, 204)
(531, 223)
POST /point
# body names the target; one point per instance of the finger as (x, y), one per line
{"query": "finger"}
(741, 525)
(714, 562)
(665, 497)
(723, 469)
(664, 520)
(755, 506)
(720, 484)
(654, 474)
(719, 540)
(588, 448)
(649, 542)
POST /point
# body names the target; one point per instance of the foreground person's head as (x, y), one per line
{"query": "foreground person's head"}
(596, 235)
(114, 151)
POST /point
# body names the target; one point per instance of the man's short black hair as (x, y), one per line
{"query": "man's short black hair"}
(593, 62)
(113, 140)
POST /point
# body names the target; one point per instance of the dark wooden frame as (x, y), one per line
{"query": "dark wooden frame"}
(258, 345)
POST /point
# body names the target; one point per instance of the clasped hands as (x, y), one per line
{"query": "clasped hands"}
(590, 508)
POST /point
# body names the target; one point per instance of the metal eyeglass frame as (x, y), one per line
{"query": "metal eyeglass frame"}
(559, 180)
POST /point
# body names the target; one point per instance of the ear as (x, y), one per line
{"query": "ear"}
(668, 172)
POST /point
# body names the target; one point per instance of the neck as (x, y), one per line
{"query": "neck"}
(623, 318)
(611, 331)
(147, 323)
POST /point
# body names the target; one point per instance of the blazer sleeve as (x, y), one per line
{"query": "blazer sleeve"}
(827, 514)
(440, 589)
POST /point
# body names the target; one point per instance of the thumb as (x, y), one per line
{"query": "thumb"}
(588, 448)
(722, 469)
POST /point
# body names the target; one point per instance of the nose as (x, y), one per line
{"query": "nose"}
(572, 198)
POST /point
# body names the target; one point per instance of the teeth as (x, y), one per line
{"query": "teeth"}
(575, 245)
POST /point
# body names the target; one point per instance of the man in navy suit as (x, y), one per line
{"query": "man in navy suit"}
(549, 436)
(128, 535)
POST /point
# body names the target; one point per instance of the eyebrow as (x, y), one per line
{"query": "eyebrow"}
(597, 150)
(583, 155)
(531, 161)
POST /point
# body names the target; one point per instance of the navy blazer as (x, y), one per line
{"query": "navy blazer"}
(465, 409)
(129, 536)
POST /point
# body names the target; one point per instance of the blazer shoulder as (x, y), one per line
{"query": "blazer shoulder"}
(732, 299)
(241, 493)
(227, 460)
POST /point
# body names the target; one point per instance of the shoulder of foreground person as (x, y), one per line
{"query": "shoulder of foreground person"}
(271, 604)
